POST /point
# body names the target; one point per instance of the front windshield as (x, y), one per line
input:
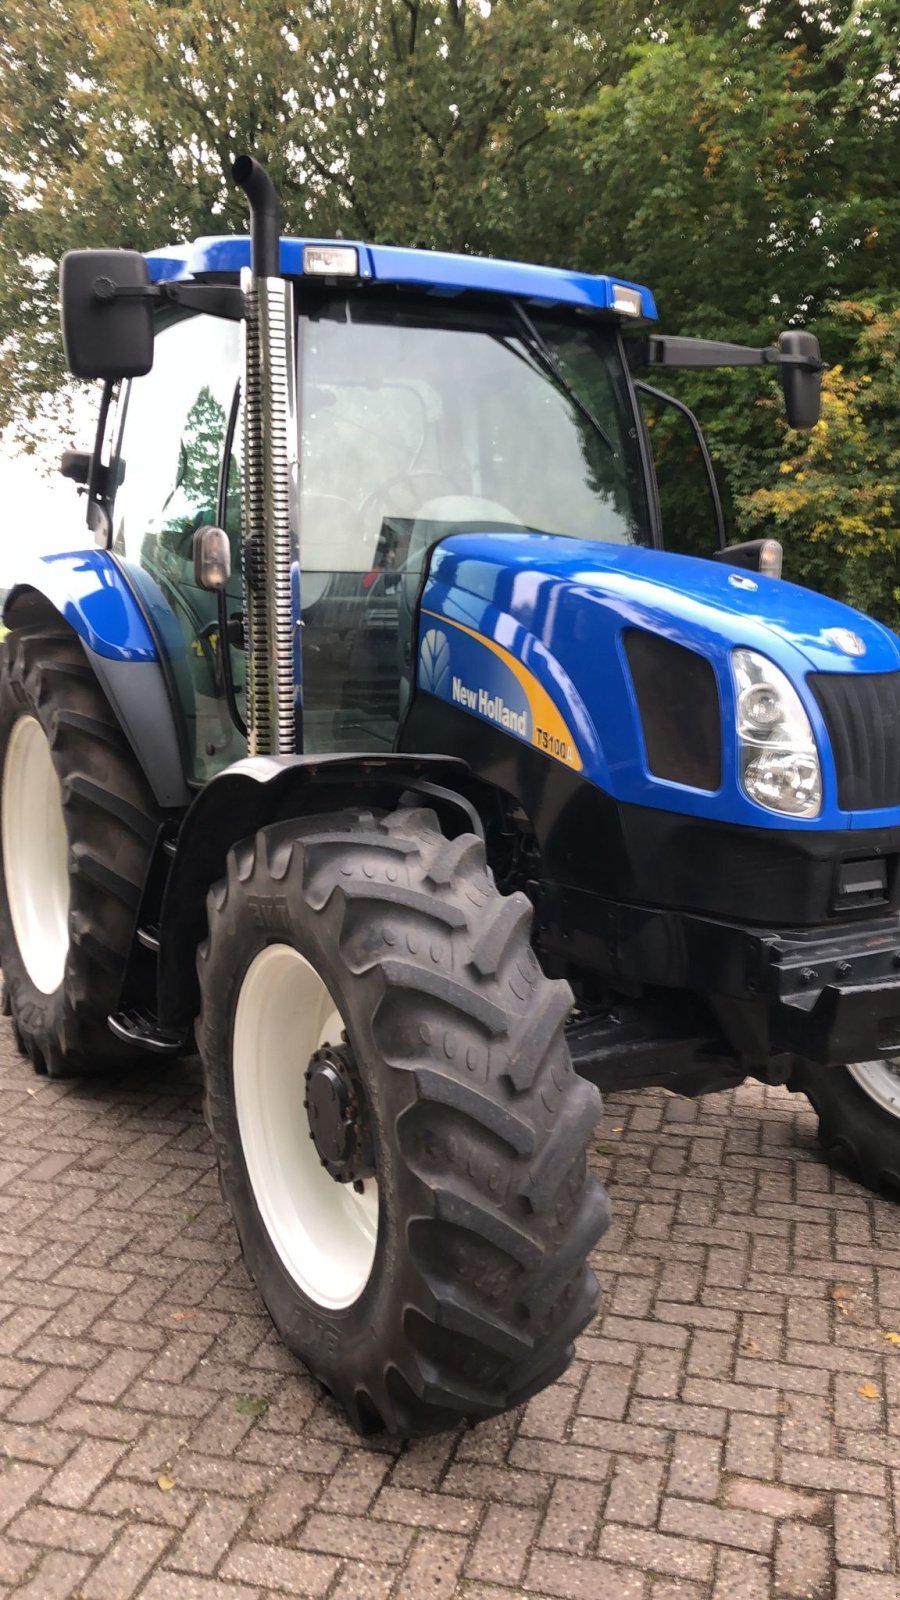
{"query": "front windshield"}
(420, 418)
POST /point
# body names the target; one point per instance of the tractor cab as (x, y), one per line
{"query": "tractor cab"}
(433, 395)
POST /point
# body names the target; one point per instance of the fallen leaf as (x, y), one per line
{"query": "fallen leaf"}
(179, 1316)
(253, 1405)
(751, 1347)
(869, 1391)
(892, 1338)
(841, 1295)
(31, 1091)
(618, 1130)
(165, 1483)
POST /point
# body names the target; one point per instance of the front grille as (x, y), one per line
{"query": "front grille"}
(862, 715)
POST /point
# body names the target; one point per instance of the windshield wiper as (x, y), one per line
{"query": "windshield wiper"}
(538, 347)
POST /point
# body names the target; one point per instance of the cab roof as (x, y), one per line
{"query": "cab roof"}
(433, 271)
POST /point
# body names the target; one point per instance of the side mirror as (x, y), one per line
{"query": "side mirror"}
(106, 306)
(757, 555)
(802, 385)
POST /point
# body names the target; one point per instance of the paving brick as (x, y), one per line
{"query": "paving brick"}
(16, 1561)
(640, 1547)
(208, 1535)
(178, 1586)
(573, 1579)
(433, 1568)
(445, 1513)
(359, 1537)
(771, 1500)
(745, 1530)
(18, 1482)
(740, 1576)
(862, 1532)
(288, 1571)
(695, 1467)
(123, 1569)
(76, 1481)
(57, 1576)
(572, 1516)
(354, 1485)
(284, 1506)
(803, 1562)
(635, 1491)
(55, 1528)
(865, 1586)
(45, 1396)
(569, 1460)
(500, 1550)
(360, 1582)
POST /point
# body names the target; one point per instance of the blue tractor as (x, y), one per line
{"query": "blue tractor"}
(378, 743)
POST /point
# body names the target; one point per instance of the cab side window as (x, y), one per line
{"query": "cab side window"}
(167, 472)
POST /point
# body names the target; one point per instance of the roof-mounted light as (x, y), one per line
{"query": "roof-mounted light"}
(629, 302)
(331, 260)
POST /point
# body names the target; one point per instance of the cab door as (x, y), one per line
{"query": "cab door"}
(169, 480)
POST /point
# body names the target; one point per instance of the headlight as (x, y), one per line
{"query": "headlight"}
(779, 761)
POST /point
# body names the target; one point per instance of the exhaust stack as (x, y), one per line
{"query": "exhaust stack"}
(270, 479)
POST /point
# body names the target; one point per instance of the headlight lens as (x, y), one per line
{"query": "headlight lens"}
(779, 762)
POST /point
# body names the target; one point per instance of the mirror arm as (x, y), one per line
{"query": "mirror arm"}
(670, 350)
(216, 299)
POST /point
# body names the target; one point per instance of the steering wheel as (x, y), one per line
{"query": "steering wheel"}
(405, 497)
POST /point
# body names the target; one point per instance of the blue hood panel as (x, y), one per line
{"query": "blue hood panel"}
(512, 621)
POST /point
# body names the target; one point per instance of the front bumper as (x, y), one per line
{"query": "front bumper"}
(835, 998)
(830, 995)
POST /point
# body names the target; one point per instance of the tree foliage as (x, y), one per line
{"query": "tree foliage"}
(834, 494)
(740, 159)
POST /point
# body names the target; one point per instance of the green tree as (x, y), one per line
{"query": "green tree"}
(392, 120)
(834, 494)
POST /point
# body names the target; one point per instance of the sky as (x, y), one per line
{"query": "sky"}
(39, 512)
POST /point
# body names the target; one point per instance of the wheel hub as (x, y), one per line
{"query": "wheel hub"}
(338, 1115)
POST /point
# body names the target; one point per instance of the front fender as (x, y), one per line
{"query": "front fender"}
(88, 591)
(262, 789)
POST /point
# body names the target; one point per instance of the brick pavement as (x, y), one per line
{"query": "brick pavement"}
(730, 1430)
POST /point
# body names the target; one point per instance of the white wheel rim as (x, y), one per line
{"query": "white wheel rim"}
(880, 1080)
(36, 855)
(325, 1232)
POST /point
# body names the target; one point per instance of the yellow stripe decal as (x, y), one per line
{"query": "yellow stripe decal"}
(549, 731)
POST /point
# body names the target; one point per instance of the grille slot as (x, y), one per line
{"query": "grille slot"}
(862, 714)
(679, 706)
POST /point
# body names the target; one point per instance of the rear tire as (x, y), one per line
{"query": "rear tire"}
(476, 1281)
(68, 905)
(859, 1118)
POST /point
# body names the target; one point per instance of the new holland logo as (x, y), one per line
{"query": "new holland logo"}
(492, 706)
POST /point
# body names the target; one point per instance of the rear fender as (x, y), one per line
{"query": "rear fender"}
(88, 592)
(249, 795)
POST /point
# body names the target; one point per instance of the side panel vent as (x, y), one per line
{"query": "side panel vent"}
(678, 700)
(861, 711)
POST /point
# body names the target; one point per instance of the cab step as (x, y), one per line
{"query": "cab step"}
(141, 1029)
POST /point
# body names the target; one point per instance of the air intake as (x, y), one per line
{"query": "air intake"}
(678, 700)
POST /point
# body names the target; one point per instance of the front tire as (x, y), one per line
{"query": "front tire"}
(452, 1279)
(859, 1118)
(77, 827)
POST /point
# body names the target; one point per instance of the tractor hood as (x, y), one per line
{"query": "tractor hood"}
(531, 632)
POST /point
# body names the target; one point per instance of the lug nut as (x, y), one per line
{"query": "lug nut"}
(808, 976)
(844, 969)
